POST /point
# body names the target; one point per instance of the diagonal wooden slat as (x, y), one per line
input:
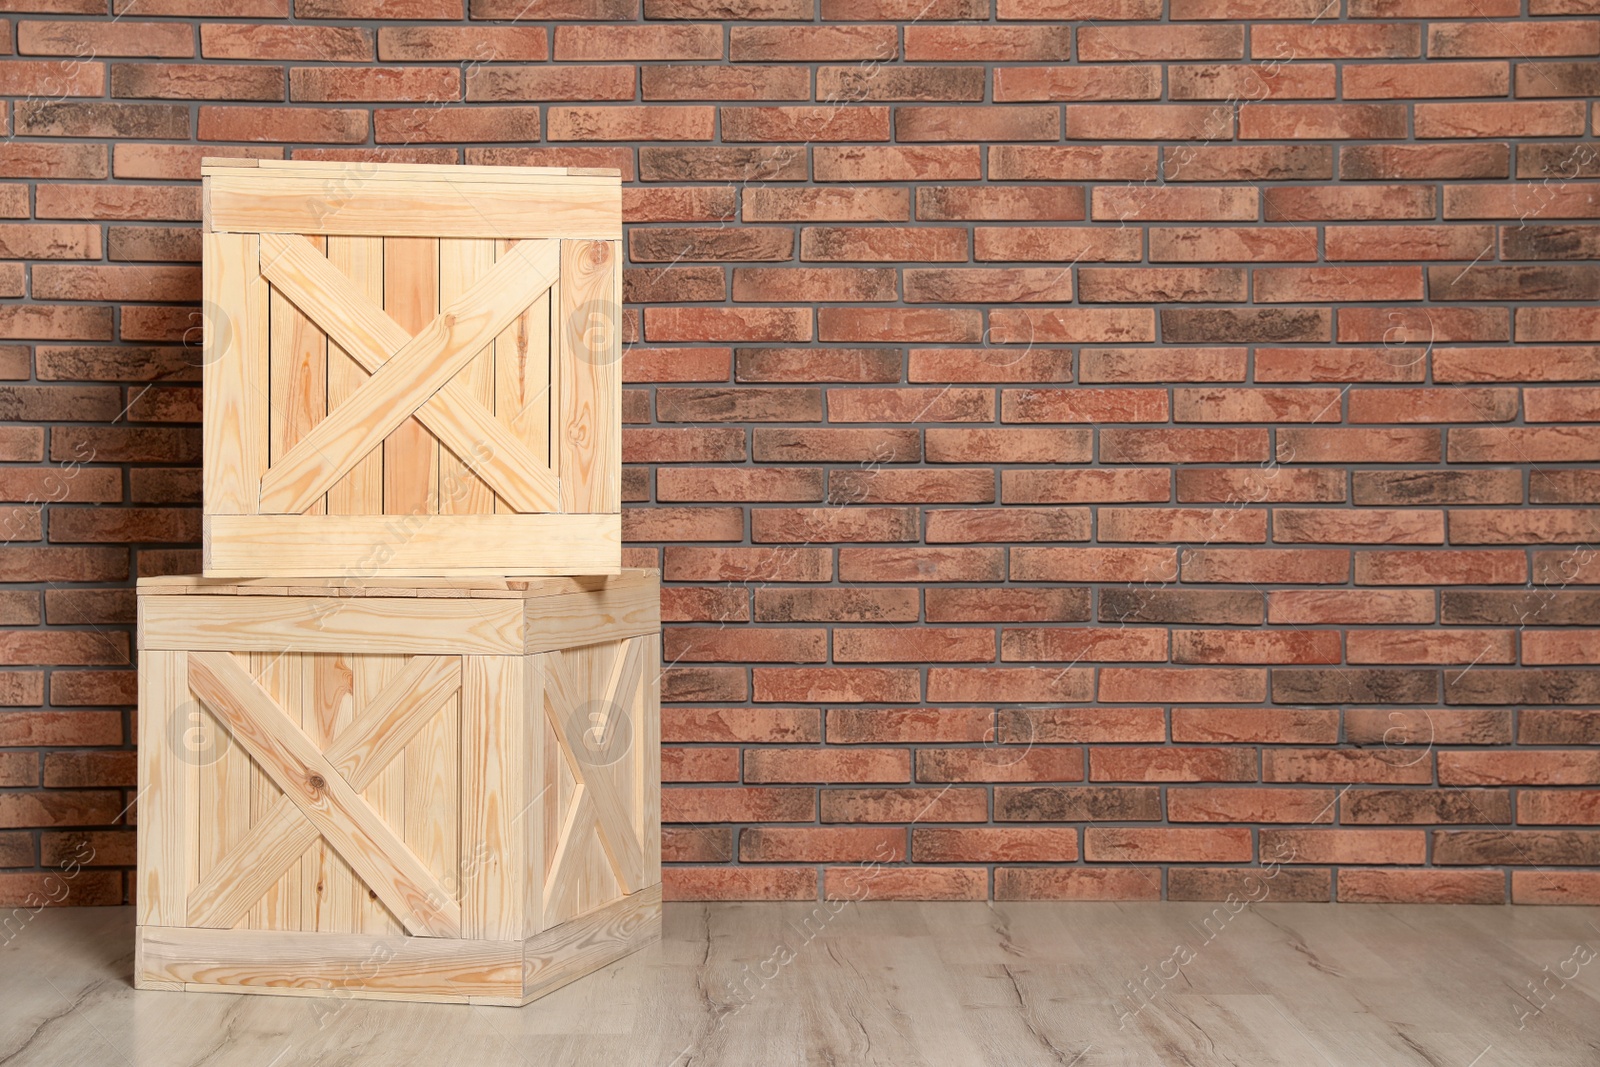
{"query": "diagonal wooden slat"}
(245, 874)
(373, 850)
(368, 335)
(616, 828)
(562, 884)
(418, 370)
(393, 717)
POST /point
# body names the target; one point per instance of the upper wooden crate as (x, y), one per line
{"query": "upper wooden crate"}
(411, 370)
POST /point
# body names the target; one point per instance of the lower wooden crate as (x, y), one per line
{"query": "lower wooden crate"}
(436, 791)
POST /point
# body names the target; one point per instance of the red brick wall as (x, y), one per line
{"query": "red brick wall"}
(1087, 457)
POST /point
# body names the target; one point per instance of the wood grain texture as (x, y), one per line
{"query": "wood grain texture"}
(523, 369)
(378, 855)
(314, 964)
(501, 796)
(589, 377)
(443, 545)
(462, 262)
(297, 372)
(583, 946)
(360, 259)
(439, 347)
(458, 415)
(169, 794)
(236, 390)
(319, 624)
(493, 797)
(541, 206)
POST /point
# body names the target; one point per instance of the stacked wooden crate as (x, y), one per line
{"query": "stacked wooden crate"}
(401, 739)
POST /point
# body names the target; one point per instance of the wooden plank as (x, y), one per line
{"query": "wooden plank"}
(575, 842)
(586, 944)
(461, 421)
(281, 906)
(432, 831)
(401, 585)
(330, 964)
(226, 792)
(589, 377)
(297, 374)
(443, 546)
(417, 371)
(277, 842)
(235, 381)
(559, 207)
(410, 453)
(647, 754)
(329, 708)
(325, 624)
(462, 262)
(540, 794)
(369, 171)
(385, 792)
(376, 853)
(359, 259)
(168, 790)
(523, 400)
(615, 611)
(493, 797)
(568, 696)
(393, 716)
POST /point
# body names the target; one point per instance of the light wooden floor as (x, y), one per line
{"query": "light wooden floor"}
(894, 984)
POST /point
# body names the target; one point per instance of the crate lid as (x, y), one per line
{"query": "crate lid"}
(487, 588)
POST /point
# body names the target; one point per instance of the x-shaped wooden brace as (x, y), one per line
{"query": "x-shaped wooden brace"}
(410, 375)
(322, 794)
(594, 804)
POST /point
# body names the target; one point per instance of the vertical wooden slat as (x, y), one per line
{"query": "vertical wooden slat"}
(359, 492)
(235, 384)
(589, 377)
(410, 453)
(522, 376)
(646, 756)
(540, 793)
(493, 796)
(169, 797)
(386, 792)
(329, 706)
(298, 376)
(432, 795)
(461, 263)
(225, 796)
(281, 908)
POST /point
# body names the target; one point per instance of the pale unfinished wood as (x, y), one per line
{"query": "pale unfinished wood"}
(322, 796)
(316, 964)
(423, 795)
(627, 607)
(462, 262)
(310, 624)
(235, 385)
(460, 419)
(493, 797)
(420, 372)
(169, 790)
(360, 259)
(446, 545)
(586, 944)
(573, 207)
(589, 374)
(419, 369)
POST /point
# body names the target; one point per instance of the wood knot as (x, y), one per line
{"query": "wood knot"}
(317, 782)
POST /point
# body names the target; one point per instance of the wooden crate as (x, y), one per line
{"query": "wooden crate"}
(439, 792)
(411, 370)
